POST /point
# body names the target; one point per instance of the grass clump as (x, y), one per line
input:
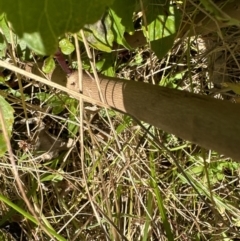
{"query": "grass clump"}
(94, 174)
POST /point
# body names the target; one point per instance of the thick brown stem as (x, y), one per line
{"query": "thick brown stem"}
(211, 123)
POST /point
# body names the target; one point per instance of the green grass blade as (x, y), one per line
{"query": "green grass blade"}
(148, 219)
(159, 199)
(30, 217)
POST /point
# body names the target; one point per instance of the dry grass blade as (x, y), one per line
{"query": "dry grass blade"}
(121, 179)
(49, 83)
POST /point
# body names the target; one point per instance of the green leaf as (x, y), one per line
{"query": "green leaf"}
(163, 23)
(99, 35)
(138, 59)
(159, 199)
(22, 50)
(161, 46)
(30, 217)
(111, 27)
(220, 176)
(7, 112)
(17, 93)
(197, 170)
(73, 112)
(56, 177)
(66, 46)
(40, 23)
(118, 29)
(106, 64)
(48, 65)
(124, 10)
(3, 44)
(4, 27)
(172, 80)
(57, 102)
(104, 32)
(2, 80)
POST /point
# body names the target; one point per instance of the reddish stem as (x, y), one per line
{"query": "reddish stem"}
(61, 61)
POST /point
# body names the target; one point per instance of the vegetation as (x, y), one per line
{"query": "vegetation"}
(92, 155)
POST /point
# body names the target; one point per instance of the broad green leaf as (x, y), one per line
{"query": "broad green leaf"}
(40, 23)
(162, 46)
(7, 112)
(162, 24)
(100, 35)
(66, 46)
(118, 29)
(4, 28)
(106, 64)
(104, 32)
(48, 65)
(124, 9)
(22, 50)
(5, 31)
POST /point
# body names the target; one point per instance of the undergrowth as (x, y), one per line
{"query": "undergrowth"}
(122, 179)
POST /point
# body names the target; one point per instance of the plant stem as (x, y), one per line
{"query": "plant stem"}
(61, 61)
